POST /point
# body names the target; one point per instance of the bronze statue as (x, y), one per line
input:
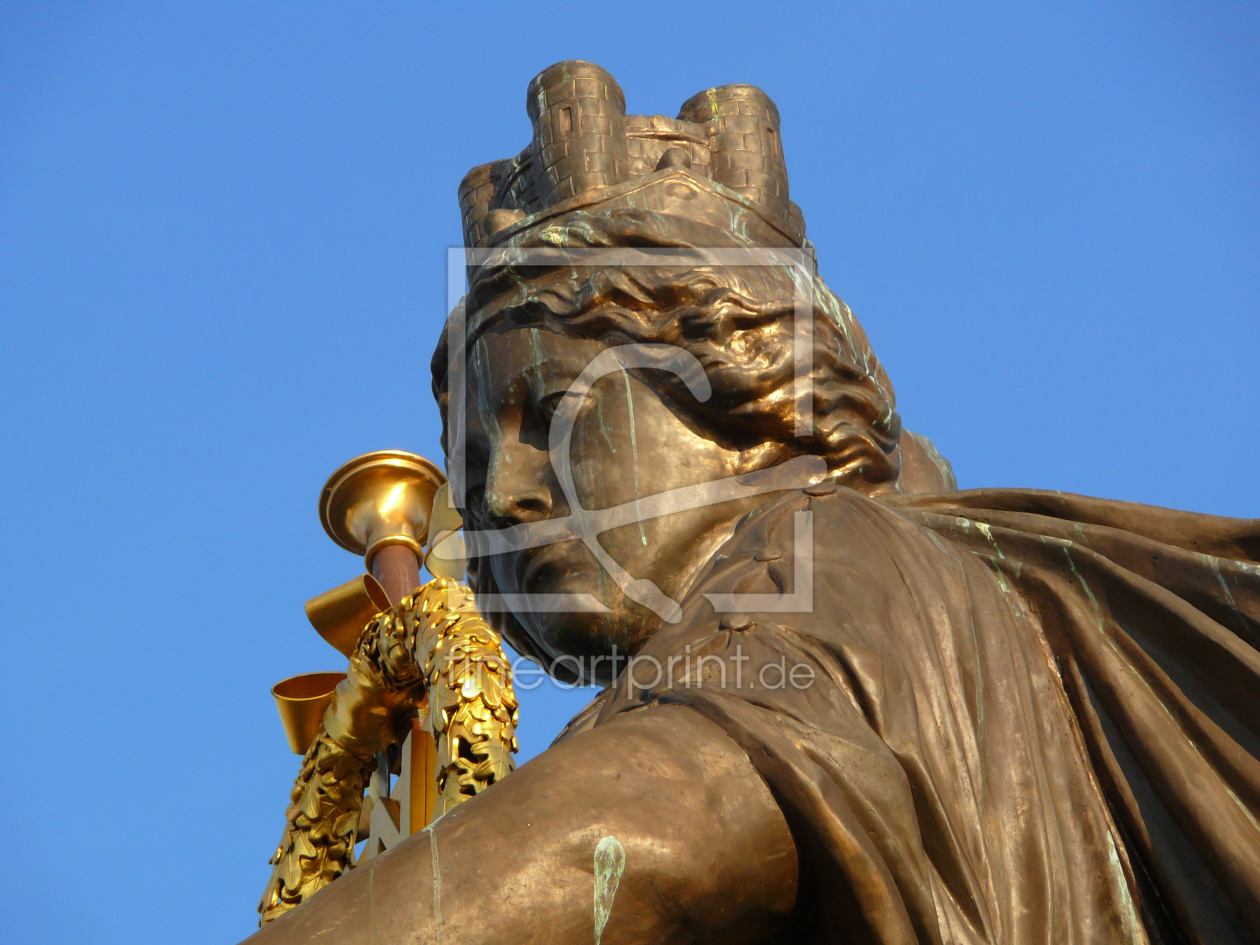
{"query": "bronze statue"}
(844, 702)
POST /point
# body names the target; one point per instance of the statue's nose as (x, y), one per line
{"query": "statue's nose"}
(518, 486)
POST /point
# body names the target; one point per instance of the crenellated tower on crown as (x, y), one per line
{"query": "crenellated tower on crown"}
(586, 152)
(742, 127)
(579, 116)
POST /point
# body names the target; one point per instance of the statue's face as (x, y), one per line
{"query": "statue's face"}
(627, 444)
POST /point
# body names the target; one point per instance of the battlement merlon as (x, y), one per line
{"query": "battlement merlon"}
(584, 142)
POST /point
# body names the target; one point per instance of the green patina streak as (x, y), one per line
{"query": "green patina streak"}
(610, 863)
(987, 532)
(1067, 551)
(1214, 564)
(603, 428)
(489, 418)
(535, 347)
(634, 449)
(437, 886)
(557, 236)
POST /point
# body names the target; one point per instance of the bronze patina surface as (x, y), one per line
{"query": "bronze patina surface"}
(1015, 717)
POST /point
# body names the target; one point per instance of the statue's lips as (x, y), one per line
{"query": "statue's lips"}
(541, 571)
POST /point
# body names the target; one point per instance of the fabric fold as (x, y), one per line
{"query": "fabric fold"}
(1035, 717)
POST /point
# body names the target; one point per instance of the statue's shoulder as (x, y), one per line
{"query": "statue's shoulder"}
(841, 520)
(832, 542)
(585, 719)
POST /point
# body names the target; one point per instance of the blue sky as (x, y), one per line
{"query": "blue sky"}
(223, 232)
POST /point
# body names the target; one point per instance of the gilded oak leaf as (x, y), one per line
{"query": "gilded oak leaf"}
(497, 761)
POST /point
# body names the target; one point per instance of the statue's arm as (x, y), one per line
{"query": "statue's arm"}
(704, 851)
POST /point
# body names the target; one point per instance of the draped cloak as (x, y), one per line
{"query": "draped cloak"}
(1034, 717)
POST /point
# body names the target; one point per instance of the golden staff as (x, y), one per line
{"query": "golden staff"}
(427, 696)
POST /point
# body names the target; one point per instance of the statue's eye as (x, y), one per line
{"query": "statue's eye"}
(548, 405)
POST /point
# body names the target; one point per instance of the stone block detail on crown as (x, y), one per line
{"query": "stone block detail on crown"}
(585, 148)
(579, 116)
(742, 127)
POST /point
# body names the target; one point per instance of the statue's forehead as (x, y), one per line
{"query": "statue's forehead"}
(531, 352)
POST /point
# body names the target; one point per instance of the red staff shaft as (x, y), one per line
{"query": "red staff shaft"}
(398, 570)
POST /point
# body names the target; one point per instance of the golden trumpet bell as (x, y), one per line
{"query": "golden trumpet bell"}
(302, 701)
(341, 614)
(378, 499)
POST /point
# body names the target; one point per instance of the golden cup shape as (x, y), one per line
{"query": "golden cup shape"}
(445, 516)
(341, 614)
(379, 499)
(446, 556)
(302, 701)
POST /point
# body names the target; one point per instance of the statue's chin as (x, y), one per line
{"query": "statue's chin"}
(581, 643)
(590, 645)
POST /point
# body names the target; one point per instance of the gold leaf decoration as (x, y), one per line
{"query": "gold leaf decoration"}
(436, 643)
